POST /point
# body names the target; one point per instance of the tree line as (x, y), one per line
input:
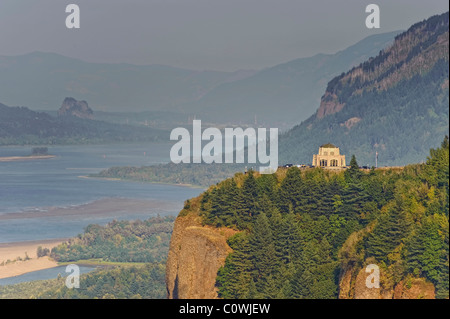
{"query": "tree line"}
(298, 228)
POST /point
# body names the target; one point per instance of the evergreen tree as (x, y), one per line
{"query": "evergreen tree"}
(247, 202)
(387, 235)
(234, 280)
(262, 252)
(424, 251)
(290, 192)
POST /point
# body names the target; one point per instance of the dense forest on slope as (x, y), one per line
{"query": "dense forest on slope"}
(299, 229)
(395, 104)
(22, 126)
(120, 241)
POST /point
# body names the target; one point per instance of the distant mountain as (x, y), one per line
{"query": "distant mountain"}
(288, 92)
(40, 80)
(285, 93)
(395, 104)
(22, 126)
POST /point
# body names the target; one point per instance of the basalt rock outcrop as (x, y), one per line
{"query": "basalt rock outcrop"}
(196, 254)
(72, 107)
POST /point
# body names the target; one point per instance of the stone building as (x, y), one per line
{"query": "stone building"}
(329, 156)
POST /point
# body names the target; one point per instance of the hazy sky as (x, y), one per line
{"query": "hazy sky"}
(200, 34)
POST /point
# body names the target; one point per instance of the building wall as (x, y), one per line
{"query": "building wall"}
(329, 157)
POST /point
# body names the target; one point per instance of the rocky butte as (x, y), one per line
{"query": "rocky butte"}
(72, 107)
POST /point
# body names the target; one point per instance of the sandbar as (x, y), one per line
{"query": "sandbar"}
(25, 158)
(12, 251)
(101, 207)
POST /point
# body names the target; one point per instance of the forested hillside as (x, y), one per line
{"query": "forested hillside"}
(302, 231)
(22, 126)
(288, 92)
(395, 104)
(119, 241)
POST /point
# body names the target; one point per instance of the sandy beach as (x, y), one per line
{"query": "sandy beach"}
(17, 251)
(25, 158)
(11, 251)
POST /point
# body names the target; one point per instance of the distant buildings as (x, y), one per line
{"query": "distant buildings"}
(329, 157)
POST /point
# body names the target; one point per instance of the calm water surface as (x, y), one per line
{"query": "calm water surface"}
(40, 185)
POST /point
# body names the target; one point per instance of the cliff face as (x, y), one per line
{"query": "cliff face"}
(397, 98)
(353, 286)
(352, 283)
(413, 53)
(196, 254)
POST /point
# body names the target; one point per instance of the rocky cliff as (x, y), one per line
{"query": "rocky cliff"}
(386, 104)
(353, 275)
(353, 286)
(196, 254)
(413, 53)
(198, 267)
(72, 107)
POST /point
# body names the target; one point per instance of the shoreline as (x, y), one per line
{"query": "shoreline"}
(115, 179)
(109, 206)
(13, 251)
(25, 158)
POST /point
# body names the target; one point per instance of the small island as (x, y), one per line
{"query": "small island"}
(36, 153)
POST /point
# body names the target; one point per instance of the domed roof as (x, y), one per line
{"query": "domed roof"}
(328, 145)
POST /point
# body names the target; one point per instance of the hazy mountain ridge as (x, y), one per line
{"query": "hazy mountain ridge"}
(287, 92)
(22, 126)
(48, 77)
(395, 104)
(413, 52)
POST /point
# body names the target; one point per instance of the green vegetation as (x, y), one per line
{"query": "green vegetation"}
(125, 282)
(399, 128)
(395, 104)
(187, 174)
(29, 289)
(300, 228)
(21, 126)
(120, 241)
(132, 256)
